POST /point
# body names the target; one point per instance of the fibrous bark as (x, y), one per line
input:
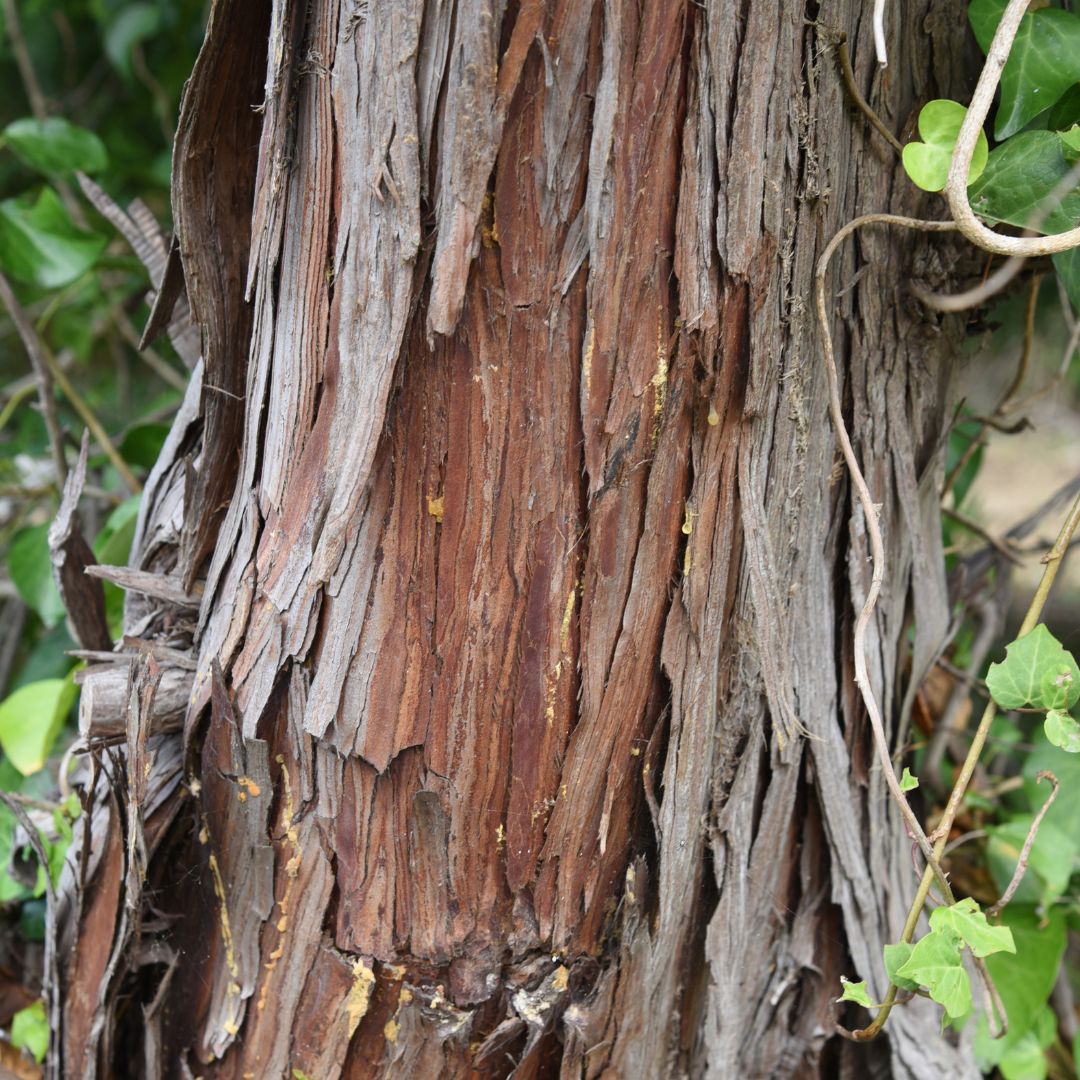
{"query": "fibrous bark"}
(522, 733)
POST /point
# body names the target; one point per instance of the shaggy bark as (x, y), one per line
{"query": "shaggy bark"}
(522, 734)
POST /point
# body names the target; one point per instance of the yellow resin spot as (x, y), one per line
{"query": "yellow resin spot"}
(586, 359)
(356, 1004)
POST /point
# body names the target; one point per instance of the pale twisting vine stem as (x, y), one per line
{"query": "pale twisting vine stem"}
(970, 227)
(873, 529)
(965, 222)
(1052, 563)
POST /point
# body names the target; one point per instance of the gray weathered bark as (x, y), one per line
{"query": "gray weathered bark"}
(522, 731)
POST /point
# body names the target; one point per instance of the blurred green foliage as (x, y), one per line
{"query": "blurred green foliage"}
(91, 86)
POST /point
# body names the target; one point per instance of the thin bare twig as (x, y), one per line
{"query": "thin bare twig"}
(955, 718)
(12, 404)
(42, 374)
(149, 356)
(23, 62)
(974, 527)
(848, 73)
(89, 418)
(1063, 367)
(1025, 851)
(975, 296)
(1028, 347)
(36, 98)
(1003, 404)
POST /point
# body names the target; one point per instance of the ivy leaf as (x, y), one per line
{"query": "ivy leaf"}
(1070, 142)
(30, 720)
(1059, 687)
(30, 1030)
(31, 573)
(134, 24)
(142, 444)
(935, 963)
(40, 246)
(1024, 1057)
(907, 781)
(55, 146)
(855, 991)
(1018, 680)
(968, 922)
(1043, 64)
(1020, 174)
(1066, 112)
(927, 162)
(111, 547)
(1063, 731)
(1025, 981)
(1067, 265)
(896, 956)
(1051, 859)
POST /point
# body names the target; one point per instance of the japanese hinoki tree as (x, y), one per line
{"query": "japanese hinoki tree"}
(504, 553)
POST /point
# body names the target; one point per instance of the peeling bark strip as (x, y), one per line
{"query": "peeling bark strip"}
(507, 470)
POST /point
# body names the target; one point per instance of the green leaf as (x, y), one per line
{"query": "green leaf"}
(935, 963)
(1070, 141)
(1020, 174)
(1059, 687)
(40, 246)
(1051, 860)
(112, 546)
(1024, 980)
(927, 162)
(1063, 731)
(896, 956)
(1044, 62)
(1035, 665)
(857, 992)
(1067, 265)
(55, 146)
(1026, 1059)
(32, 917)
(30, 1030)
(10, 889)
(907, 781)
(30, 720)
(48, 658)
(135, 23)
(968, 922)
(142, 444)
(1066, 112)
(31, 573)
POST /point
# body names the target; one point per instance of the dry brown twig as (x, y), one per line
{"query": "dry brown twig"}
(1025, 851)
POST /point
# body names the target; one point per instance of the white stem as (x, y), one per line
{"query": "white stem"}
(956, 186)
(879, 32)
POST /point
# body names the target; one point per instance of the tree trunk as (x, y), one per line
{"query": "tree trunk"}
(522, 735)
